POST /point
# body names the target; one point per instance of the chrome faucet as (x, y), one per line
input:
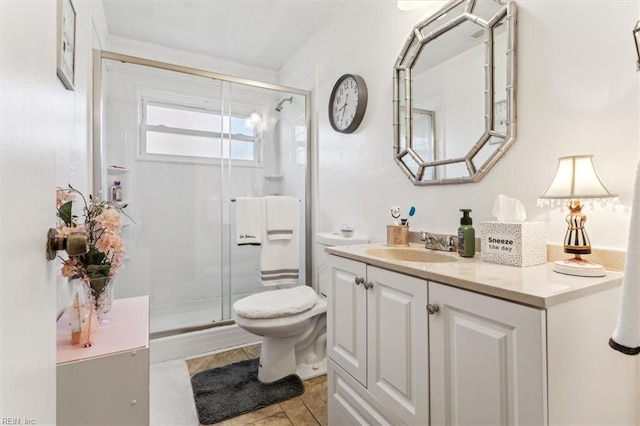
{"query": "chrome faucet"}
(444, 243)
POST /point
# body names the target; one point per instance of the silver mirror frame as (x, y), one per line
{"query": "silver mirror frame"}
(411, 50)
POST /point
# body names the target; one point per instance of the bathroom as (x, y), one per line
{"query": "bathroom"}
(578, 92)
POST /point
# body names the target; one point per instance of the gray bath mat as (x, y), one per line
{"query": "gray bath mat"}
(234, 389)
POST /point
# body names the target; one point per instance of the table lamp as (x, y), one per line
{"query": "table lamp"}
(576, 180)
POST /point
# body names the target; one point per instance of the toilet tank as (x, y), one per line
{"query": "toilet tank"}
(331, 239)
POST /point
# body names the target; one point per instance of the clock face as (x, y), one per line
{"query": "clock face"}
(347, 103)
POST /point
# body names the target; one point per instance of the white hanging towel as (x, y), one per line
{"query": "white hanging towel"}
(279, 258)
(249, 220)
(626, 336)
(283, 214)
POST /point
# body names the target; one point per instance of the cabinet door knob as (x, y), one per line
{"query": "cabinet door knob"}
(359, 280)
(368, 285)
(432, 308)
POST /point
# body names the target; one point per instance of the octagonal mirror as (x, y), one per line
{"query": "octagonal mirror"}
(454, 93)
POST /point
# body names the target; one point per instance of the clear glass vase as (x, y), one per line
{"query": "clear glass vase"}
(102, 297)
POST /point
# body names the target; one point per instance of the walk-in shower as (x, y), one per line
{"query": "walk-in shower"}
(183, 143)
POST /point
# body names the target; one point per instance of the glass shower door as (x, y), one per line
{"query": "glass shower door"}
(277, 165)
(162, 135)
(183, 147)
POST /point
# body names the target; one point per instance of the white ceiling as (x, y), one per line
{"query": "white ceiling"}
(263, 33)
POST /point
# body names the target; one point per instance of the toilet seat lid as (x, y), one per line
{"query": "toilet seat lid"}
(276, 303)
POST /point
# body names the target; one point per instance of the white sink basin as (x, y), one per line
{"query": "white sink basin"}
(410, 254)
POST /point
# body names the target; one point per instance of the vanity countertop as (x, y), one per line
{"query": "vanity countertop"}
(537, 286)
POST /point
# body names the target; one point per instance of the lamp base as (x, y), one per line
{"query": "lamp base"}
(579, 267)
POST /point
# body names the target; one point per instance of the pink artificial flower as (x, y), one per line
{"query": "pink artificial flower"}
(64, 230)
(71, 267)
(110, 243)
(116, 263)
(63, 196)
(109, 220)
(102, 225)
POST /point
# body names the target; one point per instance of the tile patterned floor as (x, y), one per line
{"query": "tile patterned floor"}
(308, 409)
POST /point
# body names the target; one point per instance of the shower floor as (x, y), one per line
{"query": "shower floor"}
(185, 314)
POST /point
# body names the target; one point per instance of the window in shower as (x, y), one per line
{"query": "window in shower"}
(178, 130)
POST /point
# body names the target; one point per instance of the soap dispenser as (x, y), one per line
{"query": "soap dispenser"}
(116, 192)
(466, 235)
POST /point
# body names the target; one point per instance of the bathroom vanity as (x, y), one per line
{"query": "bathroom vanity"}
(107, 383)
(460, 341)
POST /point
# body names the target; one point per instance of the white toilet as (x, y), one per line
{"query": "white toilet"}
(292, 322)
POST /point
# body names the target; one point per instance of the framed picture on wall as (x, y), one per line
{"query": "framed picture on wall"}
(66, 43)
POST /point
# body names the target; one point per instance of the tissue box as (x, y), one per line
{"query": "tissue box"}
(513, 243)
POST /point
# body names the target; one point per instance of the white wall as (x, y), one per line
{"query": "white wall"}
(577, 93)
(44, 144)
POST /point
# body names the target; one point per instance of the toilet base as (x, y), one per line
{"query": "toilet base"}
(309, 371)
(277, 359)
(283, 356)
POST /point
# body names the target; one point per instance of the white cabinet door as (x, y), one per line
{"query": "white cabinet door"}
(347, 316)
(350, 404)
(398, 344)
(487, 360)
(107, 390)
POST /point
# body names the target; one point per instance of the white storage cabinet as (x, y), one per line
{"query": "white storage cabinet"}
(474, 360)
(107, 383)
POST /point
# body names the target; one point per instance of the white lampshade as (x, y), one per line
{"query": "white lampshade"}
(576, 178)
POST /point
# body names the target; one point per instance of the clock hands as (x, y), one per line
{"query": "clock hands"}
(344, 107)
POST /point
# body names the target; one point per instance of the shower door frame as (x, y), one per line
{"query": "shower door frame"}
(98, 148)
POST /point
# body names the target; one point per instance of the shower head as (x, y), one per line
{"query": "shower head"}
(279, 106)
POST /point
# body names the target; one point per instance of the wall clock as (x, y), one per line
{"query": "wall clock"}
(347, 103)
(66, 43)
